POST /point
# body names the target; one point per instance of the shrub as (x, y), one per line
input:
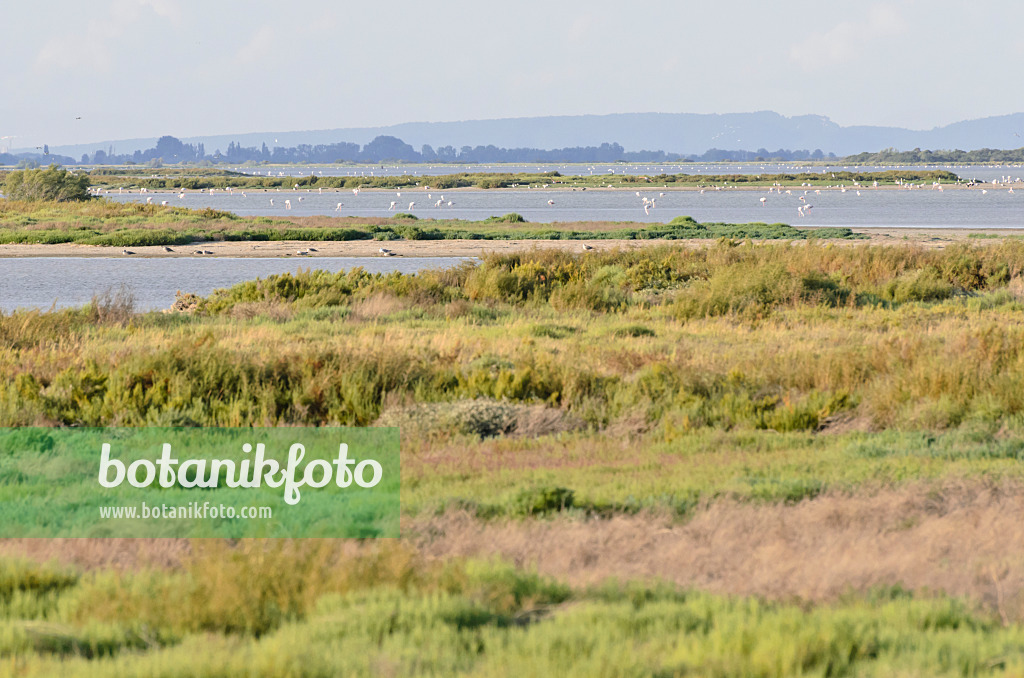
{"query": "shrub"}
(51, 184)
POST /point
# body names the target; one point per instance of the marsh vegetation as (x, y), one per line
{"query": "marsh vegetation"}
(776, 441)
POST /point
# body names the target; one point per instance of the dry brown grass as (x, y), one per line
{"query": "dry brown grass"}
(377, 306)
(964, 539)
(90, 554)
(273, 310)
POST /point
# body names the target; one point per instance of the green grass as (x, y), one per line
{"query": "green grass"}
(544, 388)
(386, 613)
(688, 355)
(101, 222)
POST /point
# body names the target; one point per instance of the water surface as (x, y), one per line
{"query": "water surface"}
(42, 282)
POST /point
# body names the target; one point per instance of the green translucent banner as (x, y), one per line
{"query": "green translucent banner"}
(199, 482)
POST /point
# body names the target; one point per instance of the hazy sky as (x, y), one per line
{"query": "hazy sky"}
(141, 68)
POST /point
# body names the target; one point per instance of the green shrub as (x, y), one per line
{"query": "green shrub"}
(51, 184)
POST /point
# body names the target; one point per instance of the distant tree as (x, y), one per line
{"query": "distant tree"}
(388, 148)
(53, 183)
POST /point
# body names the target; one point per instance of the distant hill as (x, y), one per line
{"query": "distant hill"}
(673, 133)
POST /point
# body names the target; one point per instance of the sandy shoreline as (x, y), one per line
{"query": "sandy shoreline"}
(926, 237)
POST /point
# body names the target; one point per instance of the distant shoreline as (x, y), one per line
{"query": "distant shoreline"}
(925, 237)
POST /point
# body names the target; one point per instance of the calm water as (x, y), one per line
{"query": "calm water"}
(984, 173)
(71, 281)
(962, 208)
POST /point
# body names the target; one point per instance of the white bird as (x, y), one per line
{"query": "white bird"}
(271, 202)
(338, 208)
(763, 200)
(393, 204)
(302, 252)
(287, 204)
(438, 203)
(450, 203)
(551, 202)
(587, 248)
(383, 251)
(355, 191)
(646, 209)
(411, 204)
(149, 201)
(163, 202)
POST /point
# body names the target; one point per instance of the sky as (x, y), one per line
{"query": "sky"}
(78, 72)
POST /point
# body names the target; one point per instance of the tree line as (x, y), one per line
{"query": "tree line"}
(170, 150)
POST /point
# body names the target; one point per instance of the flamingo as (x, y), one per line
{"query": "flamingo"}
(551, 202)
(763, 200)
(287, 204)
(393, 205)
(412, 204)
(338, 208)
